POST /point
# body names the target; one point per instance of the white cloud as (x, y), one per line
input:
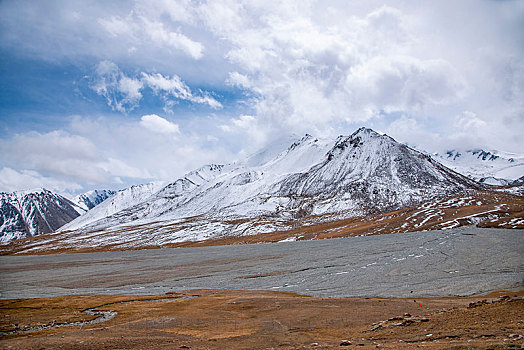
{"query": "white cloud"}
(12, 180)
(400, 83)
(422, 73)
(116, 26)
(173, 86)
(130, 88)
(145, 25)
(159, 34)
(150, 154)
(317, 70)
(244, 122)
(468, 121)
(237, 79)
(409, 130)
(65, 156)
(312, 78)
(123, 93)
(158, 124)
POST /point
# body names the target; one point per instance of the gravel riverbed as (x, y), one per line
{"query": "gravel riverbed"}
(457, 262)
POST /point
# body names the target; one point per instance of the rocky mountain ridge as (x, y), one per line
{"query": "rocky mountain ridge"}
(490, 167)
(91, 199)
(30, 213)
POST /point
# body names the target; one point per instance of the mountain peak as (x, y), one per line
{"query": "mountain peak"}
(30, 213)
(482, 165)
(365, 131)
(364, 173)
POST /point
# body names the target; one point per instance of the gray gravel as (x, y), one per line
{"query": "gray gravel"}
(463, 261)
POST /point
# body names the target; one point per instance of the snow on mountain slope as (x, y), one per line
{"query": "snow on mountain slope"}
(494, 168)
(371, 172)
(356, 175)
(118, 201)
(30, 213)
(92, 198)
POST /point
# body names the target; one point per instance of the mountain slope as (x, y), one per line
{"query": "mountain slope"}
(118, 201)
(373, 173)
(356, 175)
(26, 214)
(92, 198)
(493, 167)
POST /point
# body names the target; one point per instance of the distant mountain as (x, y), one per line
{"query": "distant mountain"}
(490, 167)
(92, 198)
(30, 213)
(116, 202)
(360, 174)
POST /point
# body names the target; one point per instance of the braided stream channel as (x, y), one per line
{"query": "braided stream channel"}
(101, 316)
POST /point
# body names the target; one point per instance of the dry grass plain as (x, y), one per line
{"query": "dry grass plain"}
(230, 319)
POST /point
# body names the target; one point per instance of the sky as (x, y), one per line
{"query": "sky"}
(102, 95)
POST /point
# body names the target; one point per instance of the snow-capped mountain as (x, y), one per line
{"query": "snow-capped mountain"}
(92, 198)
(30, 213)
(490, 167)
(116, 202)
(352, 175)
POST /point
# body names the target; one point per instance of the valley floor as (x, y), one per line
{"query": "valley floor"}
(232, 319)
(386, 291)
(463, 261)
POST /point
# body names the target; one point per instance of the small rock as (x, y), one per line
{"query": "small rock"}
(345, 343)
(407, 315)
(396, 318)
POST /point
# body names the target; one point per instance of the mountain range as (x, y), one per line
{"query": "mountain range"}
(361, 174)
(291, 183)
(30, 213)
(92, 198)
(490, 167)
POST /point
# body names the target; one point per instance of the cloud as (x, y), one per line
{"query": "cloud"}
(158, 124)
(159, 34)
(468, 121)
(123, 93)
(240, 80)
(173, 86)
(12, 180)
(130, 88)
(319, 70)
(62, 155)
(310, 77)
(400, 83)
(245, 72)
(250, 128)
(243, 123)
